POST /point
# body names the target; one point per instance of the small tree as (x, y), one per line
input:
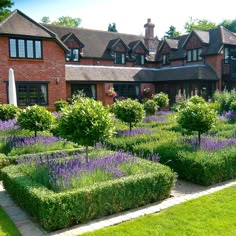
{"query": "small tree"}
(86, 122)
(60, 104)
(129, 111)
(150, 107)
(8, 111)
(36, 118)
(161, 99)
(196, 117)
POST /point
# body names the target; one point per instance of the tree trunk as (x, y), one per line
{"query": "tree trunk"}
(130, 126)
(35, 133)
(86, 153)
(199, 139)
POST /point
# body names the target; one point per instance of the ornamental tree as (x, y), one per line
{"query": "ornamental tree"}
(86, 122)
(198, 117)
(161, 99)
(128, 111)
(36, 118)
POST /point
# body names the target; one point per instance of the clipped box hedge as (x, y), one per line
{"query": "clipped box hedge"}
(55, 211)
(200, 167)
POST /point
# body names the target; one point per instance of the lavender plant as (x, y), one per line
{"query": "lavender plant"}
(134, 132)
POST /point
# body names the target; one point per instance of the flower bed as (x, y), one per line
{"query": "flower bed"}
(126, 189)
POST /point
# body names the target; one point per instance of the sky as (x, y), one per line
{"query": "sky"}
(130, 15)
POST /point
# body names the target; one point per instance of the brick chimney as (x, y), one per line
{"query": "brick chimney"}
(149, 39)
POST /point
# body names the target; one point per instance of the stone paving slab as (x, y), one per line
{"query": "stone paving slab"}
(183, 191)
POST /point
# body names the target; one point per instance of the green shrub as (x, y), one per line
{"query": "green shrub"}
(60, 104)
(150, 107)
(36, 118)
(128, 111)
(233, 106)
(196, 100)
(8, 111)
(196, 117)
(86, 122)
(60, 210)
(161, 99)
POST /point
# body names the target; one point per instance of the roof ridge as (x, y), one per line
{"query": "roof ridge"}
(81, 28)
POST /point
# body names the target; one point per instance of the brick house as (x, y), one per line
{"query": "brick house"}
(53, 62)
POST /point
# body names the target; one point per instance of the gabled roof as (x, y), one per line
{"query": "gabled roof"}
(228, 37)
(114, 42)
(131, 74)
(95, 41)
(136, 44)
(177, 44)
(67, 37)
(18, 24)
(203, 36)
(172, 43)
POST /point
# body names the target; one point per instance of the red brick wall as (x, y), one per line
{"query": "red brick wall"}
(165, 49)
(51, 67)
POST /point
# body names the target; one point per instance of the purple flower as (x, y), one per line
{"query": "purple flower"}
(134, 132)
(16, 141)
(8, 125)
(154, 118)
(211, 143)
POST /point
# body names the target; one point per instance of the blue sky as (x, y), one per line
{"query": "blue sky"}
(129, 15)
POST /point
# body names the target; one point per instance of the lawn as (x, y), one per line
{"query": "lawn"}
(209, 215)
(6, 225)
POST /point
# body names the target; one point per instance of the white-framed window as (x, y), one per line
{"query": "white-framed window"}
(165, 59)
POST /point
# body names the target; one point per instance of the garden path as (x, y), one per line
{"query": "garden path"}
(182, 192)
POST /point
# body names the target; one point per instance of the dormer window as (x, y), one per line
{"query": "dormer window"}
(73, 55)
(165, 59)
(194, 55)
(139, 59)
(119, 57)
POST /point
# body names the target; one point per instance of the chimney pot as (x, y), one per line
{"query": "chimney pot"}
(149, 20)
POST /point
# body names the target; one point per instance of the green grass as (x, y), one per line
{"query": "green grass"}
(6, 226)
(209, 215)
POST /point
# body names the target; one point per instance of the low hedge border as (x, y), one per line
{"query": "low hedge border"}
(55, 211)
(200, 167)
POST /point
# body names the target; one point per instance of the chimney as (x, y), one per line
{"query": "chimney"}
(149, 29)
(149, 40)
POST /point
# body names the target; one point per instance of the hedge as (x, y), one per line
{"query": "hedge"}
(55, 211)
(200, 167)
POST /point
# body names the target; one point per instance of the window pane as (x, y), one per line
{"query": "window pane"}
(43, 94)
(38, 50)
(75, 55)
(142, 59)
(194, 54)
(226, 56)
(199, 54)
(123, 58)
(30, 50)
(189, 55)
(21, 95)
(12, 48)
(21, 48)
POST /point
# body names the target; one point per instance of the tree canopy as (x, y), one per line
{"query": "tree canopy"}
(4, 8)
(172, 32)
(63, 21)
(229, 24)
(112, 27)
(200, 24)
